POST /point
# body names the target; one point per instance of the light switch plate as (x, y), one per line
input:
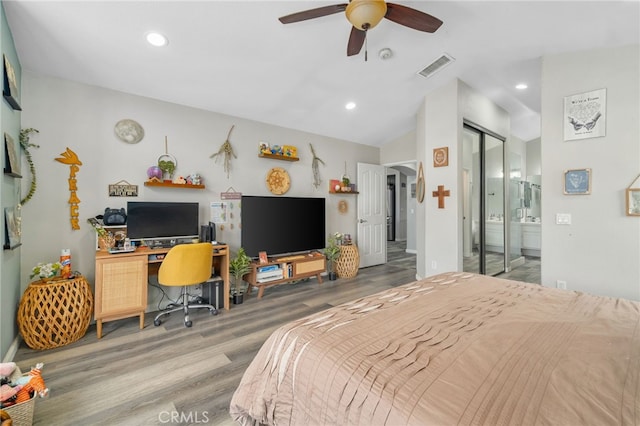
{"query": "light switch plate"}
(563, 218)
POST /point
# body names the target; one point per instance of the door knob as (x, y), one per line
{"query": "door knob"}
(361, 220)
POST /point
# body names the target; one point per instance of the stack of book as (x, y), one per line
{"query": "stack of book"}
(269, 273)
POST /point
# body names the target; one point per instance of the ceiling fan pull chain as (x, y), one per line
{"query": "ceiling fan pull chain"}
(365, 46)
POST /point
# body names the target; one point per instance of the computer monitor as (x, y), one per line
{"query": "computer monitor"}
(162, 223)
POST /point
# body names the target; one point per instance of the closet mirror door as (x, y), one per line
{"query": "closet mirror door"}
(471, 201)
(494, 205)
(483, 202)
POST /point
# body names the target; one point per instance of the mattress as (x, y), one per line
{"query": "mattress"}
(456, 348)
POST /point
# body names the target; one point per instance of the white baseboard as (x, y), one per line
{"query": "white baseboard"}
(13, 349)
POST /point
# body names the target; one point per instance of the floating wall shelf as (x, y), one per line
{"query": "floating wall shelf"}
(278, 157)
(174, 185)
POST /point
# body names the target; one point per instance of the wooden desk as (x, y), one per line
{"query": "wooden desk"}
(122, 279)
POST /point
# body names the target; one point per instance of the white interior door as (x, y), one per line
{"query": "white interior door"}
(372, 217)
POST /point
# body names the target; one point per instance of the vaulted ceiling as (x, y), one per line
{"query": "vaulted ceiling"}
(237, 58)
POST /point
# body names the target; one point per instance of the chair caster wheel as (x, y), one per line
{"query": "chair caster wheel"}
(214, 312)
(156, 322)
(188, 323)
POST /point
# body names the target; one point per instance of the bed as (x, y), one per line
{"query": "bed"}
(456, 348)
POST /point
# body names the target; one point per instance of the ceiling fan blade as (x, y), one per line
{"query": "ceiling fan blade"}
(356, 40)
(412, 18)
(313, 13)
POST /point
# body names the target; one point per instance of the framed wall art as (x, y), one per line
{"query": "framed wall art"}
(577, 182)
(10, 87)
(441, 157)
(12, 161)
(633, 201)
(11, 228)
(585, 115)
(123, 189)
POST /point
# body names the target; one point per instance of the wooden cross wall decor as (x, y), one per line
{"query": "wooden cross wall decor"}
(441, 193)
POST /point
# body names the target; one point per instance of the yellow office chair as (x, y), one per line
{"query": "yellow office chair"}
(186, 265)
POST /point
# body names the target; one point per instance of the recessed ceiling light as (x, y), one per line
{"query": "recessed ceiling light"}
(350, 105)
(157, 39)
(521, 86)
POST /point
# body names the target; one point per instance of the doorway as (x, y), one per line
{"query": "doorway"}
(401, 212)
(483, 201)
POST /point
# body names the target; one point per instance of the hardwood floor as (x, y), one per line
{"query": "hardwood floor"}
(185, 376)
(176, 375)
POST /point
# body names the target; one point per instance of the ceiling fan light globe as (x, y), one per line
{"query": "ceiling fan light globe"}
(366, 14)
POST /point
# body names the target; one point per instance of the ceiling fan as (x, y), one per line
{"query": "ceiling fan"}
(366, 14)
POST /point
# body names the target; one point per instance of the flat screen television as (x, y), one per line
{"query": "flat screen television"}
(282, 225)
(160, 221)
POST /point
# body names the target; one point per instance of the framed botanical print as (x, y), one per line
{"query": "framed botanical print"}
(577, 182)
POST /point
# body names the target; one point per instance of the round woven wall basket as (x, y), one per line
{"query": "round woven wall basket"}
(55, 313)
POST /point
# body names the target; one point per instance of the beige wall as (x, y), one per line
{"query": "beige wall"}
(82, 118)
(599, 252)
(399, 150)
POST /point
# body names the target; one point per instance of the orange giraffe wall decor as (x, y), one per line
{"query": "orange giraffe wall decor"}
(71, 158)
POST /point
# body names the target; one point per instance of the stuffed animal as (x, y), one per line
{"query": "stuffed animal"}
(34, 383)
(7, 393)
(7, 368)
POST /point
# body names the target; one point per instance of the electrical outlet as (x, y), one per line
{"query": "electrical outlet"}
(561, 284)
(434, 265)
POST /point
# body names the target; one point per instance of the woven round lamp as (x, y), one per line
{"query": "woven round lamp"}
(54, 313)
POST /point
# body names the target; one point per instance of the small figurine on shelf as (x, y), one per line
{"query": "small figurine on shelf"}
(264, 148)
(194, 179)
(276, 150)
(290, 151)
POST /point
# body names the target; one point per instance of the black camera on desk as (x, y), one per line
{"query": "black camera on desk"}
(208, 233)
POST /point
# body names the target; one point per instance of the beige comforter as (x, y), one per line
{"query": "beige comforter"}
(453, 349)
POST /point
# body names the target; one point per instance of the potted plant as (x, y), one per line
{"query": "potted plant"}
(106, 239)
(332, 253)
(238, 267)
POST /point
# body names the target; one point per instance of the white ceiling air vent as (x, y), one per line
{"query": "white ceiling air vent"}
(436, 65)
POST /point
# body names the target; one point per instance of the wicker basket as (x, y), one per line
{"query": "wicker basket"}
(349, 261)
(22, 414)
(55, 313)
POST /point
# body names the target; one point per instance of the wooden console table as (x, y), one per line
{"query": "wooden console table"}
(294, 268)
(121, 281)
(349, 261)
